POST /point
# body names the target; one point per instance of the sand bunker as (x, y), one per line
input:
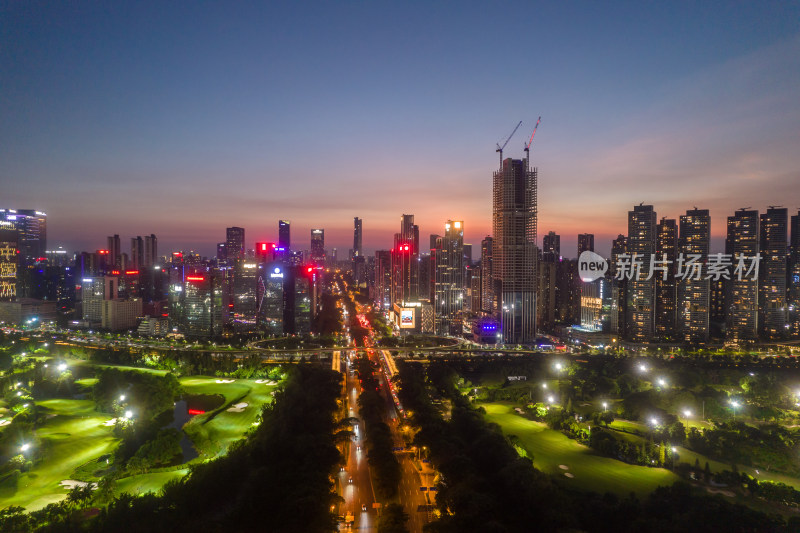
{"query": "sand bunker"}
(569, 475)
(238, 408)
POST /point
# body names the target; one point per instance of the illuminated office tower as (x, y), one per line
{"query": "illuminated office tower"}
(271, 308)
(487, 272)
(405, 262)
(794, 276)
(318, 246)
(694, 303)
(772, 273)
(94, 291)
(357, 237)
(383, 279)
(741, 296)
(9, 261)
(641, 293)
(666, 289)
(514, 206)
(31, 227)
(243, 307)
(234, 245)
(202, 305)
(448, 260)
(619, 288)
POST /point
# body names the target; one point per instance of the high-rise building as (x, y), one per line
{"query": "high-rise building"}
(31, 227)
(741, 295)
(585, 243)
(271, 300)
(514, 208)
(448, 259)
(243, 306)
(551, 246)
(405, 262)
(546, 293)
(772, 273)
(9, 261)
(641, 292)
(487, 273)
(137, 252)
(284, 235)
(318, 245)
(357, 237)
(619, 288)
(114, 251)
(202, 305)
(694, 303)
(794, 276)
(234, 244)
(150, 250)
(666, 287)
(383, 279)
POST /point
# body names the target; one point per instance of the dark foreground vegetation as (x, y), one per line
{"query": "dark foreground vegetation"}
(278, 479)
(486, 486)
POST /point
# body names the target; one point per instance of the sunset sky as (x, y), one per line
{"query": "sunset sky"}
(183, 118)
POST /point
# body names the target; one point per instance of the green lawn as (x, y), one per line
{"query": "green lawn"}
(591, 472)
(144, 483)
(213, 434)
(74, 436)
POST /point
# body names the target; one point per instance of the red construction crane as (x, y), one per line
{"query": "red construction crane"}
(528, 146)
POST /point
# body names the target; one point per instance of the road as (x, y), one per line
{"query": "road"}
(360, 491)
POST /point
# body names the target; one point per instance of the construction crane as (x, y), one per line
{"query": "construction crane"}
(528, 146)
(500, 148)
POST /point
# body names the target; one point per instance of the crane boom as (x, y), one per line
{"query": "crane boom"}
(528, 146)
(500, 148)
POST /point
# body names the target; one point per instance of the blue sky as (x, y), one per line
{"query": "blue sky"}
(183, 118)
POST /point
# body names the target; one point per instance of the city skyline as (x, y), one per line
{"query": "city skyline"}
(185, 133)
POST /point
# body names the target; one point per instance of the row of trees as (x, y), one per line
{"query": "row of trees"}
(486, 485)
(372, 407)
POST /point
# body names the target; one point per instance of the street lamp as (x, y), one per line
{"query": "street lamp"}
(662, 382)
(734, 404)
(129, 414)
(642, 368)
(605, 406)
(122, 397)
(62, 367)
(24, 448)
(654, 421)
(687, 413)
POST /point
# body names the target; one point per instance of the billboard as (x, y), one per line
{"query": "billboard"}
(406, 318)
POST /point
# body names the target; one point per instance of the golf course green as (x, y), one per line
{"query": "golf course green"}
(573, 463)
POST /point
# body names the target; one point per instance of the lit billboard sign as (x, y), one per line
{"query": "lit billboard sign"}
(406, 318)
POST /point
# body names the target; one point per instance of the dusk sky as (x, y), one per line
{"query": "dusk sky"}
(181, 119)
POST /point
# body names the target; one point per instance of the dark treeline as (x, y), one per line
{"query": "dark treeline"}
(486, 486)
(278, 479)
(372, 407)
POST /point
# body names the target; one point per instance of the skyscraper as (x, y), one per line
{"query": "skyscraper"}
(514, 208)
(137, 252)
(666, 289)
(357, 237)
(114, 250)
(641, 292)
(585, 243)
(9, 258)
(405, 262)
(741, 296)
(284, 237)
(150, 250)
(794, 276)
(318, 245)
(487, 272)
(31, 227)
(551, 246)
(448, 258)
(772, 274)
(234, 244)
(693, 289)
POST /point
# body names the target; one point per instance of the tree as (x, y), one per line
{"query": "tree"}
(393, 519)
